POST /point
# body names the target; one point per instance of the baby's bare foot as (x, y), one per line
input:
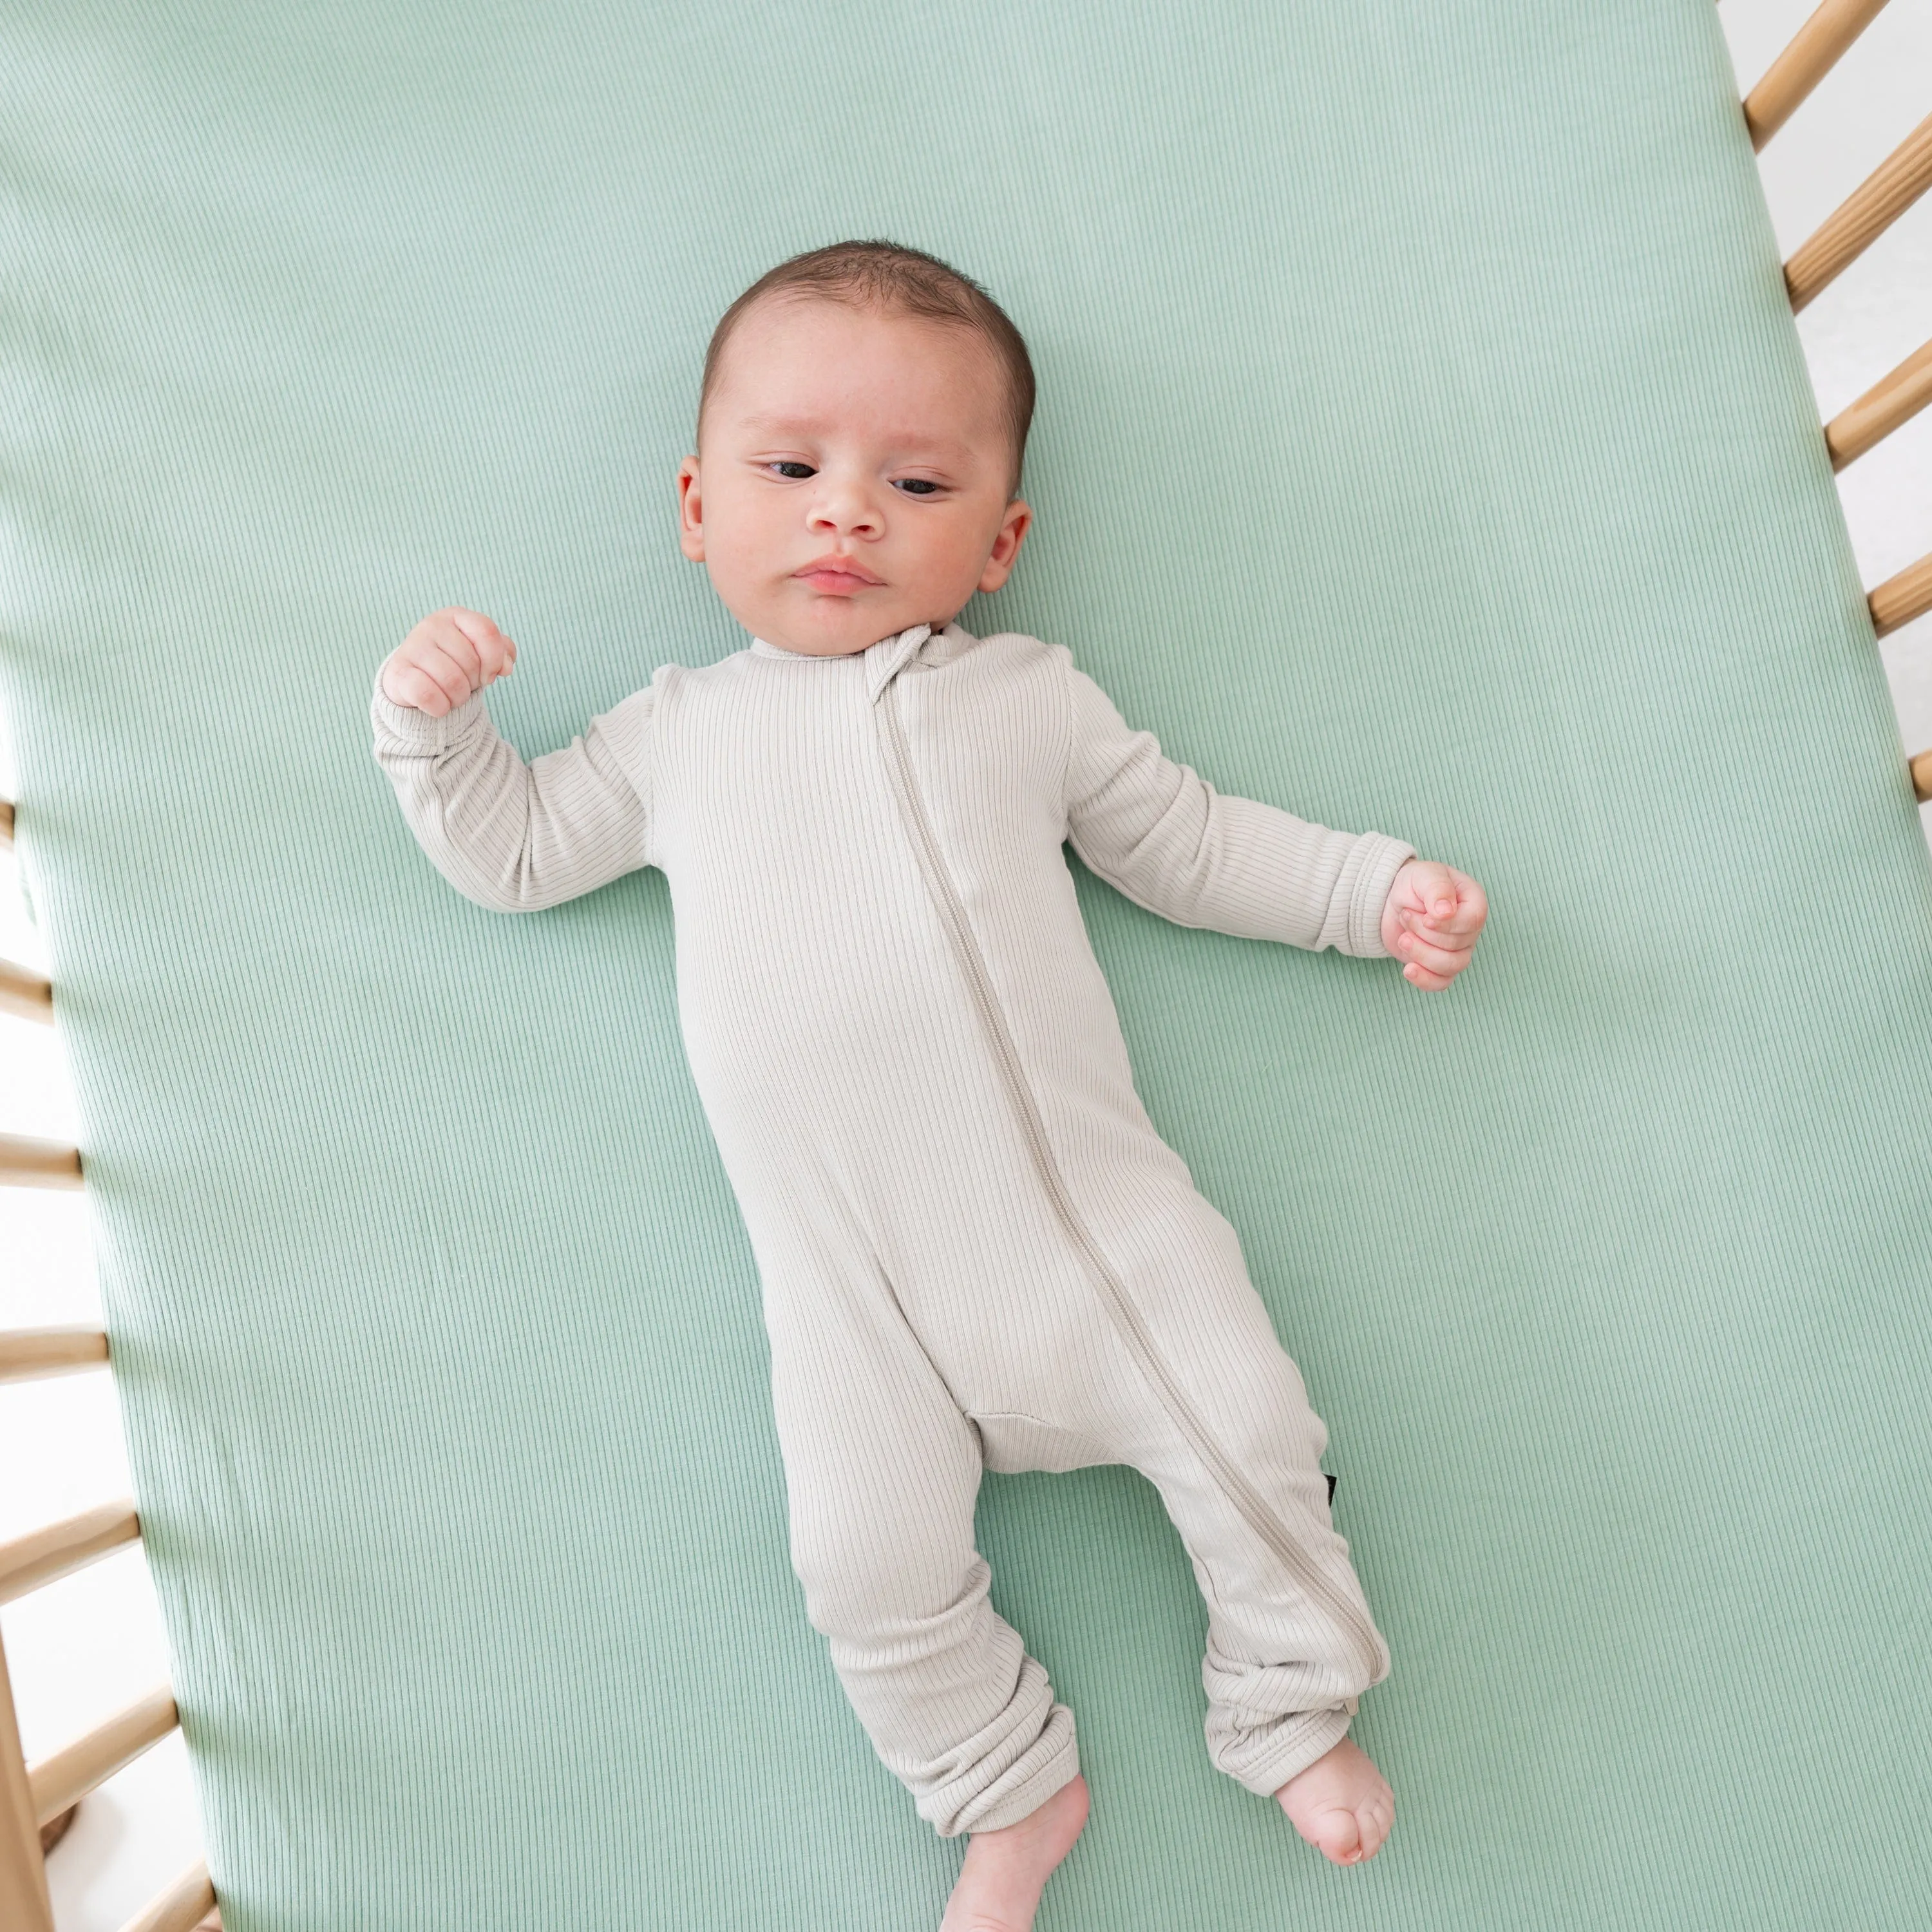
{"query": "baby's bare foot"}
(1006, 1871)
(1341, 1805)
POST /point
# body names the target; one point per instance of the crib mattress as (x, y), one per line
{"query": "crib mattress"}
(1425, 445)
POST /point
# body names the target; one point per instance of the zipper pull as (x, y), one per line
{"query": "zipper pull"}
(894, 653)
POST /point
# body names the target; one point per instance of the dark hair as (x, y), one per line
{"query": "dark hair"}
(882, 275)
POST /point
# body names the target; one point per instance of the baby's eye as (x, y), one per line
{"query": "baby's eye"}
(917, 486)
(793, 472)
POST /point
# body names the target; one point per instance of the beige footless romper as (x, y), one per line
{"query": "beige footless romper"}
(975, 1250)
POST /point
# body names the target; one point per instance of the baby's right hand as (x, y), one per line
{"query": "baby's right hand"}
(448, 658)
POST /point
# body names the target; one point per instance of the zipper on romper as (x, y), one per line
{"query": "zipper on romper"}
(1127, 1318)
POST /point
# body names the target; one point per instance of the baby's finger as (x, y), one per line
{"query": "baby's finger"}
(1471, 907)
(1445, 959)
(447, 635)
(456, 678)
(1421, 879)
(495, 652)
(412, 687)
(1446, 933)
(1421, 977)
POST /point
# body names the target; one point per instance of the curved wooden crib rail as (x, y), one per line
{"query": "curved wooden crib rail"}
(31, 1796)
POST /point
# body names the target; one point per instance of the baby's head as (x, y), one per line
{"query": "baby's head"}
(860, 430)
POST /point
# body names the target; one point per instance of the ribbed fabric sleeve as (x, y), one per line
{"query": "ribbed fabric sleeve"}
(517, 837)
(1168, 839)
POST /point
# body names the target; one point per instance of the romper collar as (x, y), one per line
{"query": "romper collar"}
(886, 658)
(921, 645)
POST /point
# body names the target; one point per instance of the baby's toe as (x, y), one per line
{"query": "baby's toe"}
(1339, 1836)
(1375, 1821)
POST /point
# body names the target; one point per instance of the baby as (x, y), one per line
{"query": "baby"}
(975, 1252)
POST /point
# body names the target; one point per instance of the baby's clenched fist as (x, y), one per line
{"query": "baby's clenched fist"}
(448, 658)
(1431, 921)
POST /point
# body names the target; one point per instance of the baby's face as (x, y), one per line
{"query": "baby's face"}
(853, 476)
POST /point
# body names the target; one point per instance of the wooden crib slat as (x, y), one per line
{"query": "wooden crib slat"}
(32, 1355)
(1899, 599)
(25, 995)
(1895, 399)
(27, 1162)
(1814, 51)
(1892, 188)
(72, 1772)
(180, 1908)
(42, 1555)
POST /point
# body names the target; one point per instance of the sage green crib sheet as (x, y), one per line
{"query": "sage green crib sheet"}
(1425, 445)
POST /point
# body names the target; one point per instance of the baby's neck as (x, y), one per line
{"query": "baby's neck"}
(935, 625)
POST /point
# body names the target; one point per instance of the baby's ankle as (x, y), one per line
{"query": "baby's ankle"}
(1006, 1871)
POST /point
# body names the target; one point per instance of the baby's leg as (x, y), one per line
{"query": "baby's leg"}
(882, 1472)
(1290, 1643)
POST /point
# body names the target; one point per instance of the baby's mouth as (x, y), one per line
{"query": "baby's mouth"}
(837, 576)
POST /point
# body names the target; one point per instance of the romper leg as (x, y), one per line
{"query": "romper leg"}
(882, 1472)
(1290, 1642)
(1292, 1645)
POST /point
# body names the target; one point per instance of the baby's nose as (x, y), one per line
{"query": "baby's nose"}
(846, 508)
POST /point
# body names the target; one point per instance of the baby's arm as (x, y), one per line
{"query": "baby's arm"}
(515, 838)
(1201, 857)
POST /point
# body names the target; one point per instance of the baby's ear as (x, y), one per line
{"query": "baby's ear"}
(1012, 533)
(690, 511)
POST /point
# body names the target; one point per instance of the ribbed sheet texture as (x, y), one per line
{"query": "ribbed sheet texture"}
(1425, 445)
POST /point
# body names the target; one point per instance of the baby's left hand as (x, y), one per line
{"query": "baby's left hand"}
(1431, 921)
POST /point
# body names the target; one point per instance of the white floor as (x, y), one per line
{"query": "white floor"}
(88, 1645)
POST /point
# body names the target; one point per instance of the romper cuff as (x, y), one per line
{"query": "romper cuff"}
(416, 730)
(1385, 857)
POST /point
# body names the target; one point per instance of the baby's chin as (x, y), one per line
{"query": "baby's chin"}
(823, 624)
